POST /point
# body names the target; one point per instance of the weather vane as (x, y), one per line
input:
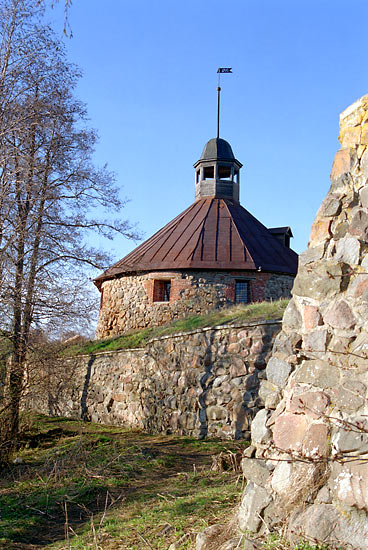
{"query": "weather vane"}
(219, 71)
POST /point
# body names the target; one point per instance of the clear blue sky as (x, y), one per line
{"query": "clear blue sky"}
(149, 81)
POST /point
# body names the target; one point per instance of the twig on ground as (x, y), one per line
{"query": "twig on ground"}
(144, 540)
(39, 511)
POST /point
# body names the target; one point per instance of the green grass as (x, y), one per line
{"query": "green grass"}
(260, 311)
(276, 542)
(115, 484)
(83, 486)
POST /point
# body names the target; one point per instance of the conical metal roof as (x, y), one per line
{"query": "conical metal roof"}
(214, 234)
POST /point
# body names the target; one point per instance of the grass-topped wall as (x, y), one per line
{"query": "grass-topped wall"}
(187, 378)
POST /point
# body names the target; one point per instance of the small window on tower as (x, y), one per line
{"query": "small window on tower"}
(224, 172)
(241, 292)
(208, 173)
(161, 291)
(198, 176)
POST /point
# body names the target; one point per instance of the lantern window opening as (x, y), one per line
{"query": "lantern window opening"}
(224, 172)
(209, 173)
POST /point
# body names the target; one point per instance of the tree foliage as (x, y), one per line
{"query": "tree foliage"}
(50, 190)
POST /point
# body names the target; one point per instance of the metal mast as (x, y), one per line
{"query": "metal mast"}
(219, 71)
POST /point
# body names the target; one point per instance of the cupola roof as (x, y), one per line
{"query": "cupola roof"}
(217, 149)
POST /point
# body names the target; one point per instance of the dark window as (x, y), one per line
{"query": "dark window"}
(241, 292)
(208, 173)
(224, 172)
(161, 291)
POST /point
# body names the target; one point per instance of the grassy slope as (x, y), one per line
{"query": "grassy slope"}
(156, 488)
(260, 311)
(90, 487)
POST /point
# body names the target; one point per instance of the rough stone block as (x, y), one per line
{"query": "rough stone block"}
(278, 371)
(325, 282)
(347, 250)
(312, 254)
(291, 319)
(234, 348)
(331, 206)
(217, 413)
(311, 403)
(255, 499)
(364, 191)
(312, 317)
(350, 136)
(342, 163)
(286, 344)
(318, 373)
(359, 352)
(364, 134)
(352, 440)
(269, 394)
(320, 231)
(260, 433)
(351, 484)
(350, 396)
(282, 477)
(251, 381)
(289, 431)
(255, 470)
(315, 442)
(359, 225)
(328, 524)
(316, 340)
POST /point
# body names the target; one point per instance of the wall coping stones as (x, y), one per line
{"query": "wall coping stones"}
(251, 324)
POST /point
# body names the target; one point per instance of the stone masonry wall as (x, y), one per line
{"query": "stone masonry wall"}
(308, 466)
(200, 383)
(127, 302)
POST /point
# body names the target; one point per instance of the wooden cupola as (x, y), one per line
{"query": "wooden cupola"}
(217, 172)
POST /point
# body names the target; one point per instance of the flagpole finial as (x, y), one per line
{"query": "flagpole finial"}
(219, 71)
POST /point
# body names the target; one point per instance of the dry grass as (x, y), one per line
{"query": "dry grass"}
(79, 486)
(306, 480)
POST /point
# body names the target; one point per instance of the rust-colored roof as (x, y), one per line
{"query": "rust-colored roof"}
(210, 234)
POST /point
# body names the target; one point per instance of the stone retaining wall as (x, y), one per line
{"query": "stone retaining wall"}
(200, 383)
(128, 301)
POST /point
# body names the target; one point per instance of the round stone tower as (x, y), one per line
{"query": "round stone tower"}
(213, 254)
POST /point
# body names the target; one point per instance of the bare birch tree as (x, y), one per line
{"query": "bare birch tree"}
(50, 191)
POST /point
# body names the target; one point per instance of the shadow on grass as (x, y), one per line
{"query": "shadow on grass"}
(89, 470)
